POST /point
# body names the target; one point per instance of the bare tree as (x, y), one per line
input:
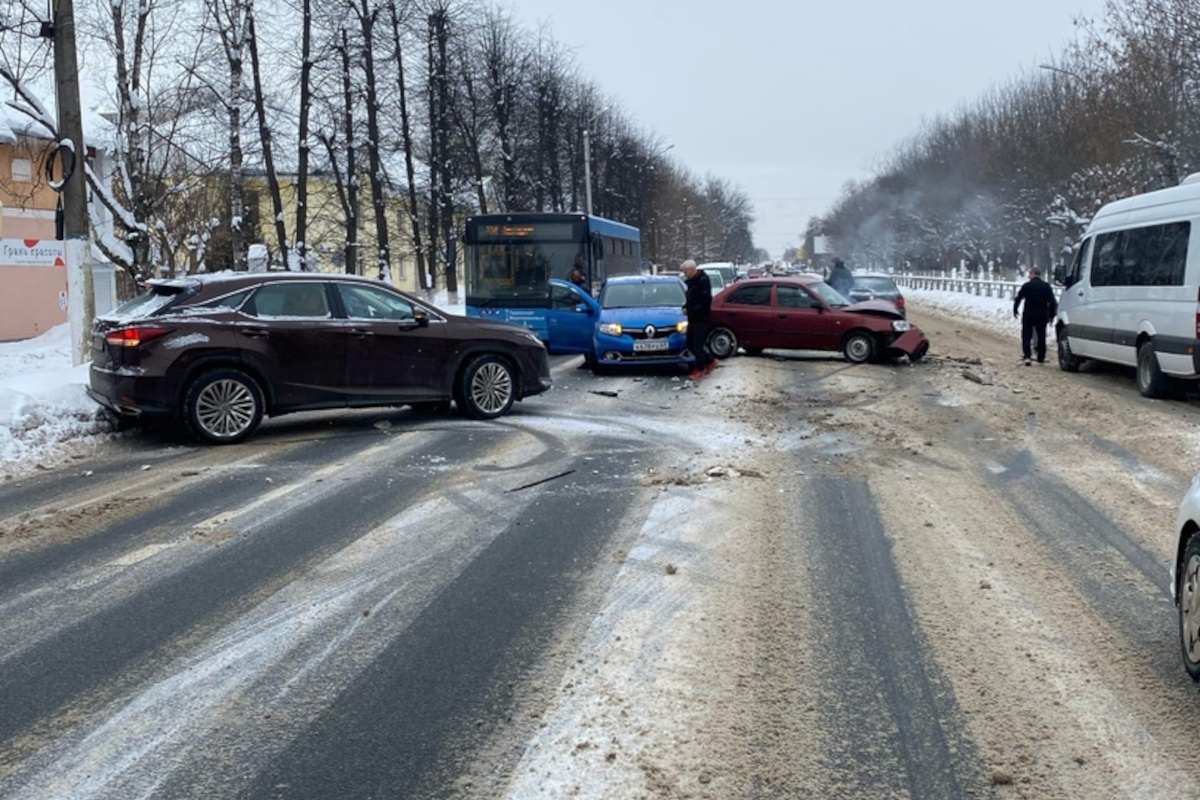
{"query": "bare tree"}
(413, 218)
(265, 139)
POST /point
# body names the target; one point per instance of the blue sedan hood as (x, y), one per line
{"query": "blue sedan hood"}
(636, 318)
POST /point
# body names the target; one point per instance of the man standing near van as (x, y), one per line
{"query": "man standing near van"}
(1040, 308)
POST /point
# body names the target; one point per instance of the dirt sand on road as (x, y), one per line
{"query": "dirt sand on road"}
(692, 682)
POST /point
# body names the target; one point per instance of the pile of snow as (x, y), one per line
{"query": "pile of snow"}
(44, 410)
(43, 406)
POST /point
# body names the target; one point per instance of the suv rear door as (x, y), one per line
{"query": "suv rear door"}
(289, 331)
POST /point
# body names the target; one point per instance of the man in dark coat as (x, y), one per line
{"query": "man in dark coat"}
(698, 307)
(840, 278)
(1040, 308)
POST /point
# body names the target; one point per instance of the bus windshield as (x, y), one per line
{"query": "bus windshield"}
(510, 260)
(513, 272)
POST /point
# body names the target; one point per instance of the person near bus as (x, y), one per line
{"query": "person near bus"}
(576, 275)
(698, 307)
(1040, 308)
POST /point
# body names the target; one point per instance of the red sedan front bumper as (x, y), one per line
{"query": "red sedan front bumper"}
(911, 343)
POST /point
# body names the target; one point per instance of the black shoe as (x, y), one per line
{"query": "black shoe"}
(1027, 362)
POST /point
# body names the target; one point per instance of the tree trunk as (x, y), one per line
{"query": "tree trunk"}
(302, 163)
(264, 133)
(424, 280)
(378, 202)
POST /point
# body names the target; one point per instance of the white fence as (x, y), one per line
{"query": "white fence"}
(983, 287)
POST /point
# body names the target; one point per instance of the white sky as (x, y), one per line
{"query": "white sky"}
(790, 100)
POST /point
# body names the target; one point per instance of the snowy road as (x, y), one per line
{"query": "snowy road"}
(799, 578)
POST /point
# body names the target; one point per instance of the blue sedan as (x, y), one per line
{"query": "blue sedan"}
(637, 321)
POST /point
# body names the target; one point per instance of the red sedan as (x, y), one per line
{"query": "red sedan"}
(805, 313)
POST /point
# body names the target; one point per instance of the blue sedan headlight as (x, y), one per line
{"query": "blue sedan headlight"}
(681, 327)
(610, 328)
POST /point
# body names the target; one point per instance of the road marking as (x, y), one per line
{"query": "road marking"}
(141, 554)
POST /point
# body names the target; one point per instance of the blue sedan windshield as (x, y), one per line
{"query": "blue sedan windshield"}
(643, 295)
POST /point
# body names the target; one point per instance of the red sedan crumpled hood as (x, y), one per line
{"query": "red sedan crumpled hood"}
(876, 307)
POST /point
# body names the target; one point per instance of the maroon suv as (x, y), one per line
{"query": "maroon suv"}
(805, 313)
(218, 352)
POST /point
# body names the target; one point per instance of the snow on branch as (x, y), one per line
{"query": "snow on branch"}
(28, 104)
(101, 193)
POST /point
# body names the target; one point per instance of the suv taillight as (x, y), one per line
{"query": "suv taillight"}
(135, 336)
(900, 302)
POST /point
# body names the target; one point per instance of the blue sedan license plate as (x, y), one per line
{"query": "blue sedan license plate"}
(650, 344)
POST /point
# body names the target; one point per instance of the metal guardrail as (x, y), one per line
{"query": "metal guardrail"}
(982, 287)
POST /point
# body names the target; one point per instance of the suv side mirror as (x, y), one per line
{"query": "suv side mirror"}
(419, 320)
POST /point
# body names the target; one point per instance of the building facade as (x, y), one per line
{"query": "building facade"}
(33, 272)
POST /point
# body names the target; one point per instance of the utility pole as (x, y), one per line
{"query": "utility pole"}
(81, 298)
(587, 171)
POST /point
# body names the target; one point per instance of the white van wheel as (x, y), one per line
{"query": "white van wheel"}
(1151, 382)
(1067, 361)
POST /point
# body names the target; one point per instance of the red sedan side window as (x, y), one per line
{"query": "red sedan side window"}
(795, 297)
(751, 296)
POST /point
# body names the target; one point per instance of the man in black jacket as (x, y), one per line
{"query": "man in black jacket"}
(698, 307)
(1040, 308)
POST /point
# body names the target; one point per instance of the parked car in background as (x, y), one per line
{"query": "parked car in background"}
(805, 313)
(877, 287)
(726, 268)
(215, 353)
(1185, 577)
(717, 278)
(755, 272)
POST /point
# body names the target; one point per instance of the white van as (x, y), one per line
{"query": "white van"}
(1132, 294)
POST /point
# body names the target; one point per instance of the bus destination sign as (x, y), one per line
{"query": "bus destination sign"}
(491, 232)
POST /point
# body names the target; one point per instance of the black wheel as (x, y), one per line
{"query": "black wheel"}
(722, 342)
(1189, 608)
(858, 347)
(223, 406)
(488, 387)
(1150, 380)
(1067, 361)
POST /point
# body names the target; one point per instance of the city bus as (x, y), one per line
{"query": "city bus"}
(516, 266)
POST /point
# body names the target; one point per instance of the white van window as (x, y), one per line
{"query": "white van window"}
(1076, 270)
(1151, 256)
